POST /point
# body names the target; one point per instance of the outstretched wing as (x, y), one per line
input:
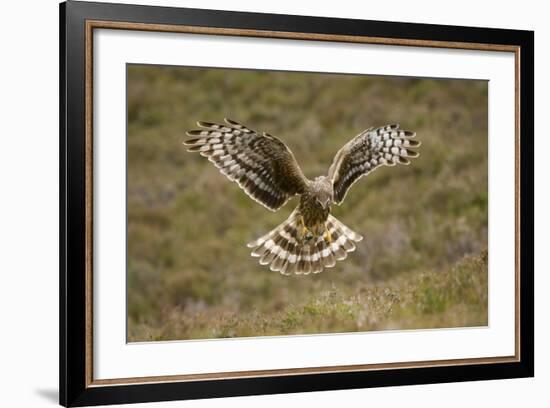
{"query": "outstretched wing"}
(370, 149)
(262, 165)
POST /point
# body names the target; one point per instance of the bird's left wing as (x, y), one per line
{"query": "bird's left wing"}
(370, 149)
(262, 165)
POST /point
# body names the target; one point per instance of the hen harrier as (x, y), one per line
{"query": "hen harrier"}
(264, 167)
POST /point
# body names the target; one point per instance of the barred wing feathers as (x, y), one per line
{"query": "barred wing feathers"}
(261, 164)
(372, 148)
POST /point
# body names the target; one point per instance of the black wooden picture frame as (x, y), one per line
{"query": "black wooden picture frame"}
(77, 19)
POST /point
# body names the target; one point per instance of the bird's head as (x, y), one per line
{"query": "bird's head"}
(323, 192)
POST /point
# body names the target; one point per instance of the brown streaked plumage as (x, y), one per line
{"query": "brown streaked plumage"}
(264, 167)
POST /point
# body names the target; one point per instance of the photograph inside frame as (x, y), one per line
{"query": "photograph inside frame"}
(269, 203)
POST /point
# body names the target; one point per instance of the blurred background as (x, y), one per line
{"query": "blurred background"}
(422, 264)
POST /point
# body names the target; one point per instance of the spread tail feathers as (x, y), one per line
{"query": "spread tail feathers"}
(284, 251)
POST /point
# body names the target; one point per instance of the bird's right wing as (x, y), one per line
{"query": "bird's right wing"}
(262, 165)
(370, 149)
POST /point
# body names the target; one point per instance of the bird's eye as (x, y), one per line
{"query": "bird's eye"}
(322, 203)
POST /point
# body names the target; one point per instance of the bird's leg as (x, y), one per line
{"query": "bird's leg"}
(303, 228)
(327, 235)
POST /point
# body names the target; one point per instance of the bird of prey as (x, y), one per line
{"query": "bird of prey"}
(264, 167)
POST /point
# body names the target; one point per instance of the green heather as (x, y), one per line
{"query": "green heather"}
(422, 264)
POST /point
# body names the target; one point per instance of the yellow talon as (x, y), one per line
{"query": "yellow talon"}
(327, 236)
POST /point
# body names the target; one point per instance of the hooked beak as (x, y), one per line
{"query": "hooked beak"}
(325, 204)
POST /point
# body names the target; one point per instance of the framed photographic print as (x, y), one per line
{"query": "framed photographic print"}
(256, 203)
